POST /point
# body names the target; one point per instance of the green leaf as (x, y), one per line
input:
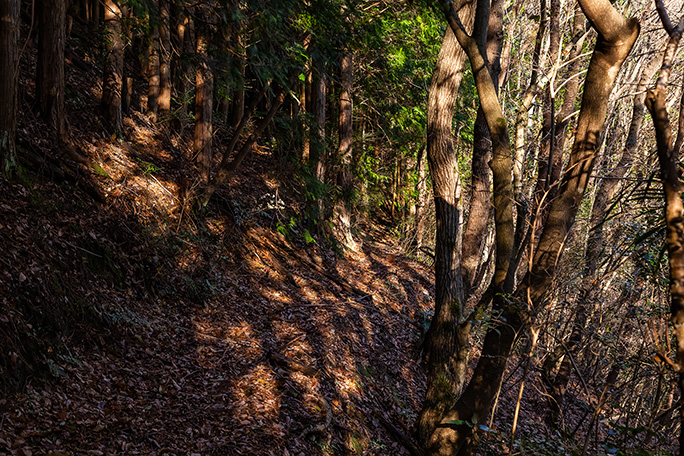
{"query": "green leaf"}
(459, 423)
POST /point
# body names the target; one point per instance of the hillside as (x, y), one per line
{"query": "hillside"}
(134, 326)
(136, 319)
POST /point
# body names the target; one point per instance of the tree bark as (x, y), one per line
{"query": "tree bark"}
(50, 85)
(674, 208)
(153, 73)
(204, 100)
(616, 37)
(445, 369)
(112, 79)
(475, 233)
(185, 33)
(342, 209)
(9, 37)
(317, 160)
(165, 83)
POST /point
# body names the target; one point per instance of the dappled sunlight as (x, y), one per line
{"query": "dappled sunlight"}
(256, 400)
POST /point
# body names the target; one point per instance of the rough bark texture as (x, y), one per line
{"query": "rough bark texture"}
(153, 76)
(674, 209)
(50, 86)
(9, 35)
(445, 372)
(480, 206)
(317, 159)
(112, 79)
(204, 101)
(342, 210)
(615, 40)
(165, 83)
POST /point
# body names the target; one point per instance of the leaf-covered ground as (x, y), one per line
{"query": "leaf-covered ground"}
(147, 331)
(131, 325)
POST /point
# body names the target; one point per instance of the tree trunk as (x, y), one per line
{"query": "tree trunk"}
(204, 98)
(9, 37)
(445, 368)
(421, 190)
(674, 208)
(50, 86)
(238, 109)
(344, 153)
(112, 79)
(615, 39)
(153, 76)
(317, 160)
(183, 72)
(165, 57)
(605, 193)
(475, 233)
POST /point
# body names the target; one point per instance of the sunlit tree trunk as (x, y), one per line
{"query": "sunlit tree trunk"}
(112, 80)
(342, 211)
(165, 82)
(204, 98)
(615, 39)
(9, 36)
(607, 189)
(674, 208)
(445, 369)
(475, 233)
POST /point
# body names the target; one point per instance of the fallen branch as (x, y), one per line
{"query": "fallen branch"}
(403, 439)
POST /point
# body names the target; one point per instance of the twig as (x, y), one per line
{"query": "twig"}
(405, 441)
(85, 250)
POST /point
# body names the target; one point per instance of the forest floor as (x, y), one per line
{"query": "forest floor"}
(131, 325)
(147, 330)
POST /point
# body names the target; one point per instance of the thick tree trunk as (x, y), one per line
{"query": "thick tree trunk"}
(342, 209)
(607, 189)
(112, 79)
(9, 36)
(446, 351)
(475, 233)
(50, 86)
(204, 99)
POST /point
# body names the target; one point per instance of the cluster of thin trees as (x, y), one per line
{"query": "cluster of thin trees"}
(562, 91)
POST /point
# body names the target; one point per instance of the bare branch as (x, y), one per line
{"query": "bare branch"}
(664, 17)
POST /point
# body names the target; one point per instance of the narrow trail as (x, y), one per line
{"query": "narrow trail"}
(244, 344)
